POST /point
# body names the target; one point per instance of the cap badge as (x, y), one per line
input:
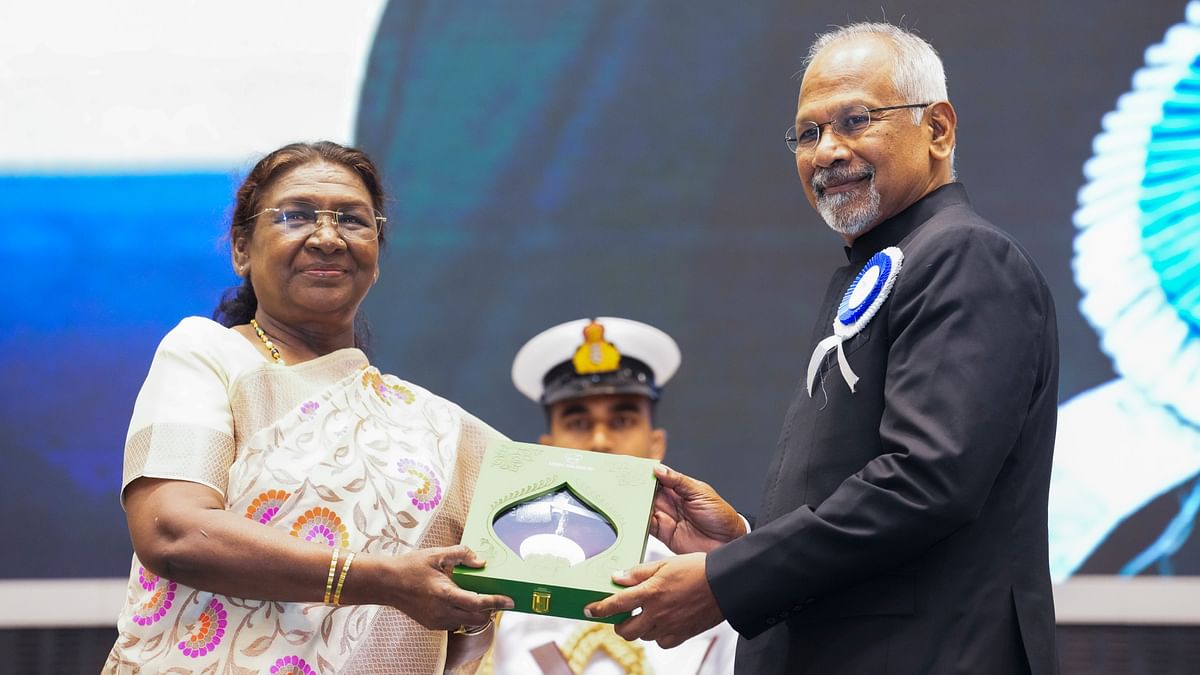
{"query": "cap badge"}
(595, 355)
(862, 300)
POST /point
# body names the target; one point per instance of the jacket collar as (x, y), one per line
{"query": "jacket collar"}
(893, 230)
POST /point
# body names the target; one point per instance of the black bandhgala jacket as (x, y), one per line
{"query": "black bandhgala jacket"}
(903, 527)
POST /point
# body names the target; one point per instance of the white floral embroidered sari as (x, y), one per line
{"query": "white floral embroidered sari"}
(330, 451)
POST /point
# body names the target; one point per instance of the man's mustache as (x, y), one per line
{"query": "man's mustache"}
(825, 178)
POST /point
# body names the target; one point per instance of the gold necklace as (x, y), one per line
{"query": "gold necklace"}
(581, 646)
(262, 335)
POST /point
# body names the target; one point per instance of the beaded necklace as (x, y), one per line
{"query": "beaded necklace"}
(581, 646)
(262, 335)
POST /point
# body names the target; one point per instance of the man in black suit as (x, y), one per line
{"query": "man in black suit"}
(903, 524)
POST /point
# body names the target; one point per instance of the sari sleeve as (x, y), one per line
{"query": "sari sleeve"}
(474, 438)
(182, 424)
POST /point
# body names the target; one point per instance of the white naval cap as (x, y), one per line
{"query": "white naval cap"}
(589, 357)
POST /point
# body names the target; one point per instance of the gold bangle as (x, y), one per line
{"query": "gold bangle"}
(329, 580)
(337, 594)
(474, 630)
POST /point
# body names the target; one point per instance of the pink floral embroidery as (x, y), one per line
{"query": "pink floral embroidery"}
(386, 392)
(207, 631)
(309, 409)
(428, 493)
(147, 579)
(154, 609)
(266, 505)
(292, 665)
(322, 525)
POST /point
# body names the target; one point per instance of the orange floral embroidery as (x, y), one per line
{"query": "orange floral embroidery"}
(387, 392)
(207, 632)
(322, 525)
(266, 505)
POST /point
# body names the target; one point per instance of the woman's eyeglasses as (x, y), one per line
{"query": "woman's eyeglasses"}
(299, 220)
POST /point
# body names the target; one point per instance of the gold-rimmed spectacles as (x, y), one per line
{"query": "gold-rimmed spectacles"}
(850, 122)
(299, 220)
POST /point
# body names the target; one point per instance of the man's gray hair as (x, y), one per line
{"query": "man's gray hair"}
(918, 75)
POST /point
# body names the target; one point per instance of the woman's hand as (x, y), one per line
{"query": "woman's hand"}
(182, 531)
(424, 590)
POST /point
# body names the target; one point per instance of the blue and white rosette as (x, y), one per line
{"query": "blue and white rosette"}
(859, 305)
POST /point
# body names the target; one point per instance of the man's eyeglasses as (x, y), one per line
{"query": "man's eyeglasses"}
(849, 123)
(299, 220)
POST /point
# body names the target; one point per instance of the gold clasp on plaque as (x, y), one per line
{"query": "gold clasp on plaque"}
(541, 602)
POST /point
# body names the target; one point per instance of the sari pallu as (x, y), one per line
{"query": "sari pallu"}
(333, 452)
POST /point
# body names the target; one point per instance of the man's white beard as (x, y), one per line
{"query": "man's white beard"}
(850, 213)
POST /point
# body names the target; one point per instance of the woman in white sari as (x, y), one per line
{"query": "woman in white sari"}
(292, 509)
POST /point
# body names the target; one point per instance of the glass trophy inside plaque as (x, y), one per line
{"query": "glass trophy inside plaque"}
(553, 524)
(556, 524)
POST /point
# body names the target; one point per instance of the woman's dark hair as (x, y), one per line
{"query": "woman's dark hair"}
(239, 303)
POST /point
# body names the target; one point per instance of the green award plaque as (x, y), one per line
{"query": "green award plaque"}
(553, 525)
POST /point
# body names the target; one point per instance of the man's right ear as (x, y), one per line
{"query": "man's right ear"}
(943, 125)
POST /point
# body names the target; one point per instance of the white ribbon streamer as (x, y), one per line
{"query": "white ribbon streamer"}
(860, 303)
(823, 347)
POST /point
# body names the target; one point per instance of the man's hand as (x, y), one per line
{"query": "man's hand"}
(689, 516)
(676, 601)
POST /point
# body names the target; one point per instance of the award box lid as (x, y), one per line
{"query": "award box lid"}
(568, 492)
